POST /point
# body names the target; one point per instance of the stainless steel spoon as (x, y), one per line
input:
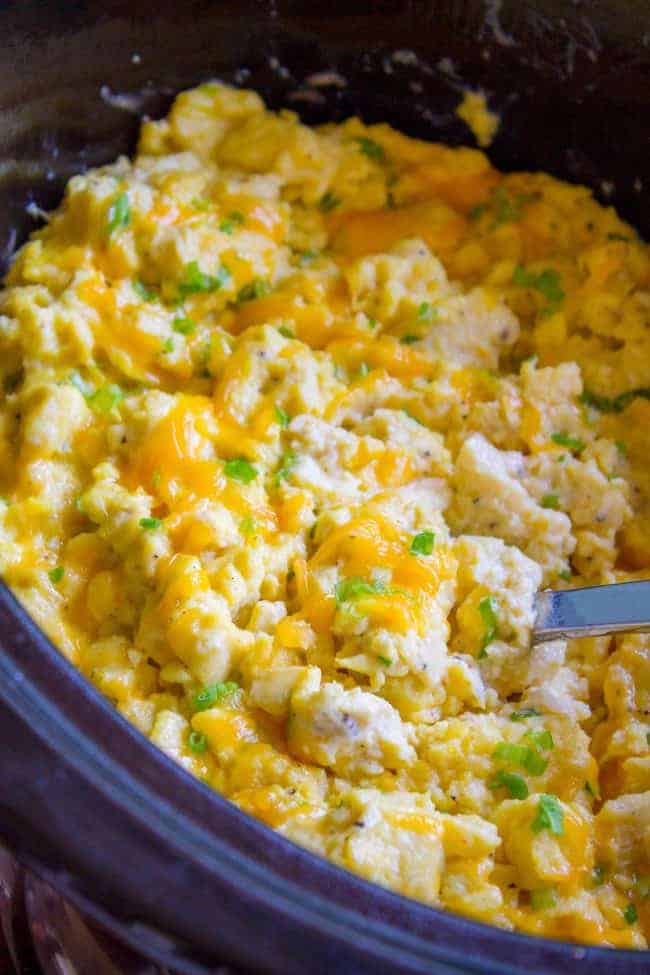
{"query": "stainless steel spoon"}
(623, 607)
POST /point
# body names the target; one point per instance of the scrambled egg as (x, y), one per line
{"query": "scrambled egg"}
(295, 424)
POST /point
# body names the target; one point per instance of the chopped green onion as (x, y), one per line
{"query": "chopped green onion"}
(183, 325)
(247, 525)
(288, 334)
(529, 360)
(630, 914)
(422, 543)
(355, 587)
(514, 783)
(550, 501)
(167, 346)
(534, 763)
(106, 398)
(509, 752)
(488, 608)
(197, 281)
(549, 815)
(477, 212)
(541, 739)
(505, 208)
(384, 661)
(328, 201)
(371, 148)
(543, 898)
(363, 369)
(197, 742)
(427, 312)
(626, 398)
(614, 404)
(150, 524)
(205, 355)
(240, 469)
(521, 755)
(119, 214)
(597, 402)
(409, 339)
(523, 713)
(56, 574)
(256, 288)
(143, 291)
(566, 575)
(228, 224)
(281, 416)
(287, 463)
(547, 282)
(563, 439)
(214, 694)
(523, 278)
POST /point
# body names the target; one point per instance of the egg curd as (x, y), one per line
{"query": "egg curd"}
(295, 424)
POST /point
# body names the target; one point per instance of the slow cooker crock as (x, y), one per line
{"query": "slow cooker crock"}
(142, 849)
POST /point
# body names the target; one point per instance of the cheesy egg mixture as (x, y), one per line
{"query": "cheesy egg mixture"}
(295, 424)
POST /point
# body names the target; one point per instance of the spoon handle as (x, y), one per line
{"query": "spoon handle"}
(623, 607)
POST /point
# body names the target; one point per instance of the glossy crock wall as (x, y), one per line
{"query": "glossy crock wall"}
(148, 853)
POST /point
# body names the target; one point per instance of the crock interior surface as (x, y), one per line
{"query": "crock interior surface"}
(570, 80)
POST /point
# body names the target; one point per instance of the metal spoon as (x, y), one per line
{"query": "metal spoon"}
(623, 607)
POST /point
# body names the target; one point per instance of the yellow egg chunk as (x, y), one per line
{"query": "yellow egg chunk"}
(473, 110)
(295, 423)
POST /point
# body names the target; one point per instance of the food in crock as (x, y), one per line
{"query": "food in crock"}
(295, 424)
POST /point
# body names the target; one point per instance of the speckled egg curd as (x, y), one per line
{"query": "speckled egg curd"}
(295, 424)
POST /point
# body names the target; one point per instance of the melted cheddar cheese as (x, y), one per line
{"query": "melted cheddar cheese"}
(295, 424)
